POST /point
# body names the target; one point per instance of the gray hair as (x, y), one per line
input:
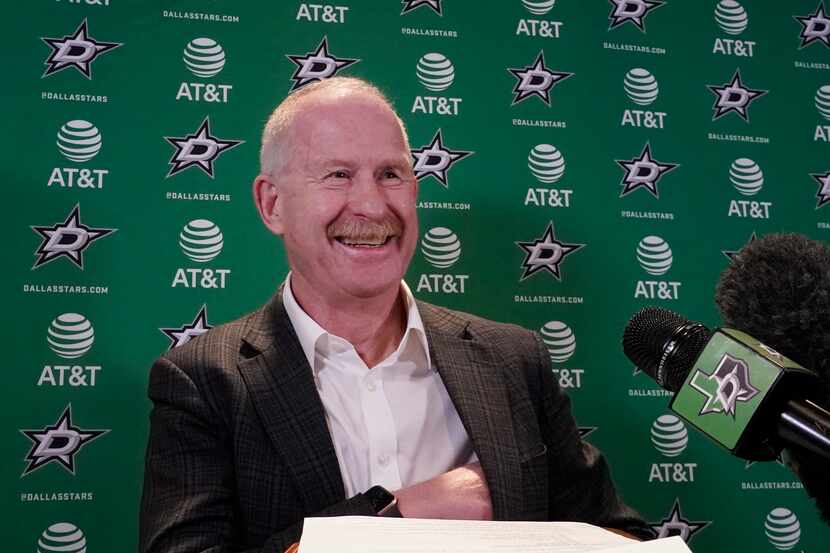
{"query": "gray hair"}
(271, 154)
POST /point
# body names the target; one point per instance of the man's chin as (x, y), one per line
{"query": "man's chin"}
(369, 282)
(370, 290)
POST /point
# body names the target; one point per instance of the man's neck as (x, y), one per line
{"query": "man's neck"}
(374, 326)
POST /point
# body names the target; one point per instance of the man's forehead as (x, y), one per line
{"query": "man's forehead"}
(333, 112)
(325, 125)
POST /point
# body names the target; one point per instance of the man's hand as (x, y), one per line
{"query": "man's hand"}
(461, 494)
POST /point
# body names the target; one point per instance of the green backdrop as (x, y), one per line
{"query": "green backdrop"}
(575, 119)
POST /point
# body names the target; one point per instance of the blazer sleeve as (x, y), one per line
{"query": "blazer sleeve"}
(189, 502)
(581, 488)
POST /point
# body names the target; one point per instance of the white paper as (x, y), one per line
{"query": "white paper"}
(406, 535)
(674, 544)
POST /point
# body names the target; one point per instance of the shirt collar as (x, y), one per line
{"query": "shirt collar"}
(309, 332)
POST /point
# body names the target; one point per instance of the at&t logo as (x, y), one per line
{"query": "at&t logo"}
(822, 100)
(78, 141)
(748, 179)
(641, 88)
(746, 176)
(782, 529)
(441, 248)
(547, 164)
(732, 19)
(205, 58)
(201, 241)
(62, 537)
(436, 73)
(324, 13)
(655, 257)
(543, 28)
(561, 343)
(70, 336)
(670, 438)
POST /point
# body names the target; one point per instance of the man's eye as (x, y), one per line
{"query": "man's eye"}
(390, 174)
(338, 174)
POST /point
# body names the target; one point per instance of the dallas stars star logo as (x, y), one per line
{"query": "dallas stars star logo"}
(317, 65)
(584, 431)
(545, 254)
(409, 5)
(59, 442)
(734, 96)
(183, 334)
(536, 80)
(814, 27)
(732, 254)
(773, 354)
(435, 159)
(823, 194)
(198, 150)
(778, 459)
(633, 11)
(643, 171)
(675, 524)
(725, 387)
(67, 239)
(77, 50)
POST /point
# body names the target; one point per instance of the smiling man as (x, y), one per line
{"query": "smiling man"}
(344, 395)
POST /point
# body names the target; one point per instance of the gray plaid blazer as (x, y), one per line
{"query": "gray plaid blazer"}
(239, 451)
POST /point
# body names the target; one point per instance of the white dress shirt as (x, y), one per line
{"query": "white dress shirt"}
(392, 425)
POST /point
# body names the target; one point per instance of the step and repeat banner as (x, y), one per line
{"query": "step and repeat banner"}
(578, 160)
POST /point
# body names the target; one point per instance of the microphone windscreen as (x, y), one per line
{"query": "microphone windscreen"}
(664, 345)
(778, 290)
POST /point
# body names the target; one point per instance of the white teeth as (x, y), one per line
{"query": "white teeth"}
(350, 242)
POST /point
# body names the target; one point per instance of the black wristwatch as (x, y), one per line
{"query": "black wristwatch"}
(383, 502)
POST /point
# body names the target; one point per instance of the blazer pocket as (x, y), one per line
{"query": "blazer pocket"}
(533, 452)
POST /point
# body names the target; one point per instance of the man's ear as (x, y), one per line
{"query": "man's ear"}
(266, 199)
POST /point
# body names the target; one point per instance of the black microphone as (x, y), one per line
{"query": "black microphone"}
(778, 289)
(742, 394)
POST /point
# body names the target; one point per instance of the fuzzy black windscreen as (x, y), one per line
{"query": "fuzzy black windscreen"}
(777, 289)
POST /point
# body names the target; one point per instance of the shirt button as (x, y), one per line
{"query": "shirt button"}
(371, 386)
(383, 460)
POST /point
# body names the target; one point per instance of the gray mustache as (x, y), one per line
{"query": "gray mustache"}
(364, 230)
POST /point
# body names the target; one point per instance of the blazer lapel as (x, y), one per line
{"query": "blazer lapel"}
(281, 386)
(472, 377)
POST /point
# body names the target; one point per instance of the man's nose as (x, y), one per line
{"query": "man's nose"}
(367, 197)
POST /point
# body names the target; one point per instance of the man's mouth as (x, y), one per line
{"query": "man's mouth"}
(363, 241)
(357, 233)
